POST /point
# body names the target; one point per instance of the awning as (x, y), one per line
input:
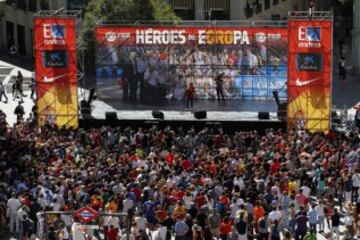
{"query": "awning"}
(221, 5)
(182, 4)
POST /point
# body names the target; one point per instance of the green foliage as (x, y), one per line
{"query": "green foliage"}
(117, 10)
(163, 11)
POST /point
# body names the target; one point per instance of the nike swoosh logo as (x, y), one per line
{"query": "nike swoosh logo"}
(52, 79)
(300, 83)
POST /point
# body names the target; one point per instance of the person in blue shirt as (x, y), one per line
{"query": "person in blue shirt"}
(320, 187)
(181, 228)
(313, 218)
(149, 211)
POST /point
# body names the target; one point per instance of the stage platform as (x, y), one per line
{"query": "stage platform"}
(234, 115)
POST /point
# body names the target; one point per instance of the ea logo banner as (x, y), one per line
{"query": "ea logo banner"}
(312, 34)
(54, 34)
(309, 37)
(54, 31)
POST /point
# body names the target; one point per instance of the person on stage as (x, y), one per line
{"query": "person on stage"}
(133, 81)
(190, 94)
(129, 78)
(220, 87)
(357, 116)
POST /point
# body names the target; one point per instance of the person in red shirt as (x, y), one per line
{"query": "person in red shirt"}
(275, 166)
(225, 228)
(190, 95)
(170, 159)
(200, 200)
(224, 199)
(161, 214)
(186, 164)
(96, 203)
(112, 233)
(212, 168)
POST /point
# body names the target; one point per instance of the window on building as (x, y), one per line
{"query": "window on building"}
(32, 5)
(275, 17)
(185, 14)
(248, 10)
(21, 37)
(217, 9)
(184, 9)
(76, 4)
(10, 2)
(44, 4)
(10, 40)
(267, 4)
(275, 2)
(258, 6)
(21, 4)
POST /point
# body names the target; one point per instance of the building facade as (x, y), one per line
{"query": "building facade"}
(16, 22)
(236, 9)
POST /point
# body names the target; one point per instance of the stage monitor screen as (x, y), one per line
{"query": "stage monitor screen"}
(155, 64)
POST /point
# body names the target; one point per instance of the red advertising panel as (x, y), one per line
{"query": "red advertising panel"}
(56, 71)
(309, 74)
(253, 61)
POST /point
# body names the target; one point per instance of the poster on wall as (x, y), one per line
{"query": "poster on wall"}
(56, 71)
(310, 67)
(158, 62)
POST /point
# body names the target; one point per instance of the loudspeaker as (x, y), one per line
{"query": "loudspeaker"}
(85, 107)
(111, 116)
(276, 97)
(92, 95)
(157, 114)
(335, 118)
(200, 114)
(264, 115)
(282, 111)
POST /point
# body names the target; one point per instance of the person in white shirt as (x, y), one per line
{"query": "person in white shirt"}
(188, 200)
(238, 181)
(320, 209)
(22, 212)
(275, 215)
(141, 67)
(40, 224)
(141, 222)
(64, 232)
(306, 191)
(114, 221)
(356, 184)
(77, 232)
(127, 204)
(13, 206)
(233, 209)
(3, 92)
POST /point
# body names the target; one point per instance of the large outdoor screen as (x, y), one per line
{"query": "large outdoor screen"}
(158, 62)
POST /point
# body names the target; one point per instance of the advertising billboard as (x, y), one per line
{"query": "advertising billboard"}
(310, 67)
(56, 71)
(158, 62)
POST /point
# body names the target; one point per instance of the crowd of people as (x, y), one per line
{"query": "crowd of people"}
(178, 184)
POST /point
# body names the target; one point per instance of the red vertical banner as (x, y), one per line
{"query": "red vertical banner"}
(56, 71)
(309, 74)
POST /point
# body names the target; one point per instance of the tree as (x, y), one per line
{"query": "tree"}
(117, 10)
